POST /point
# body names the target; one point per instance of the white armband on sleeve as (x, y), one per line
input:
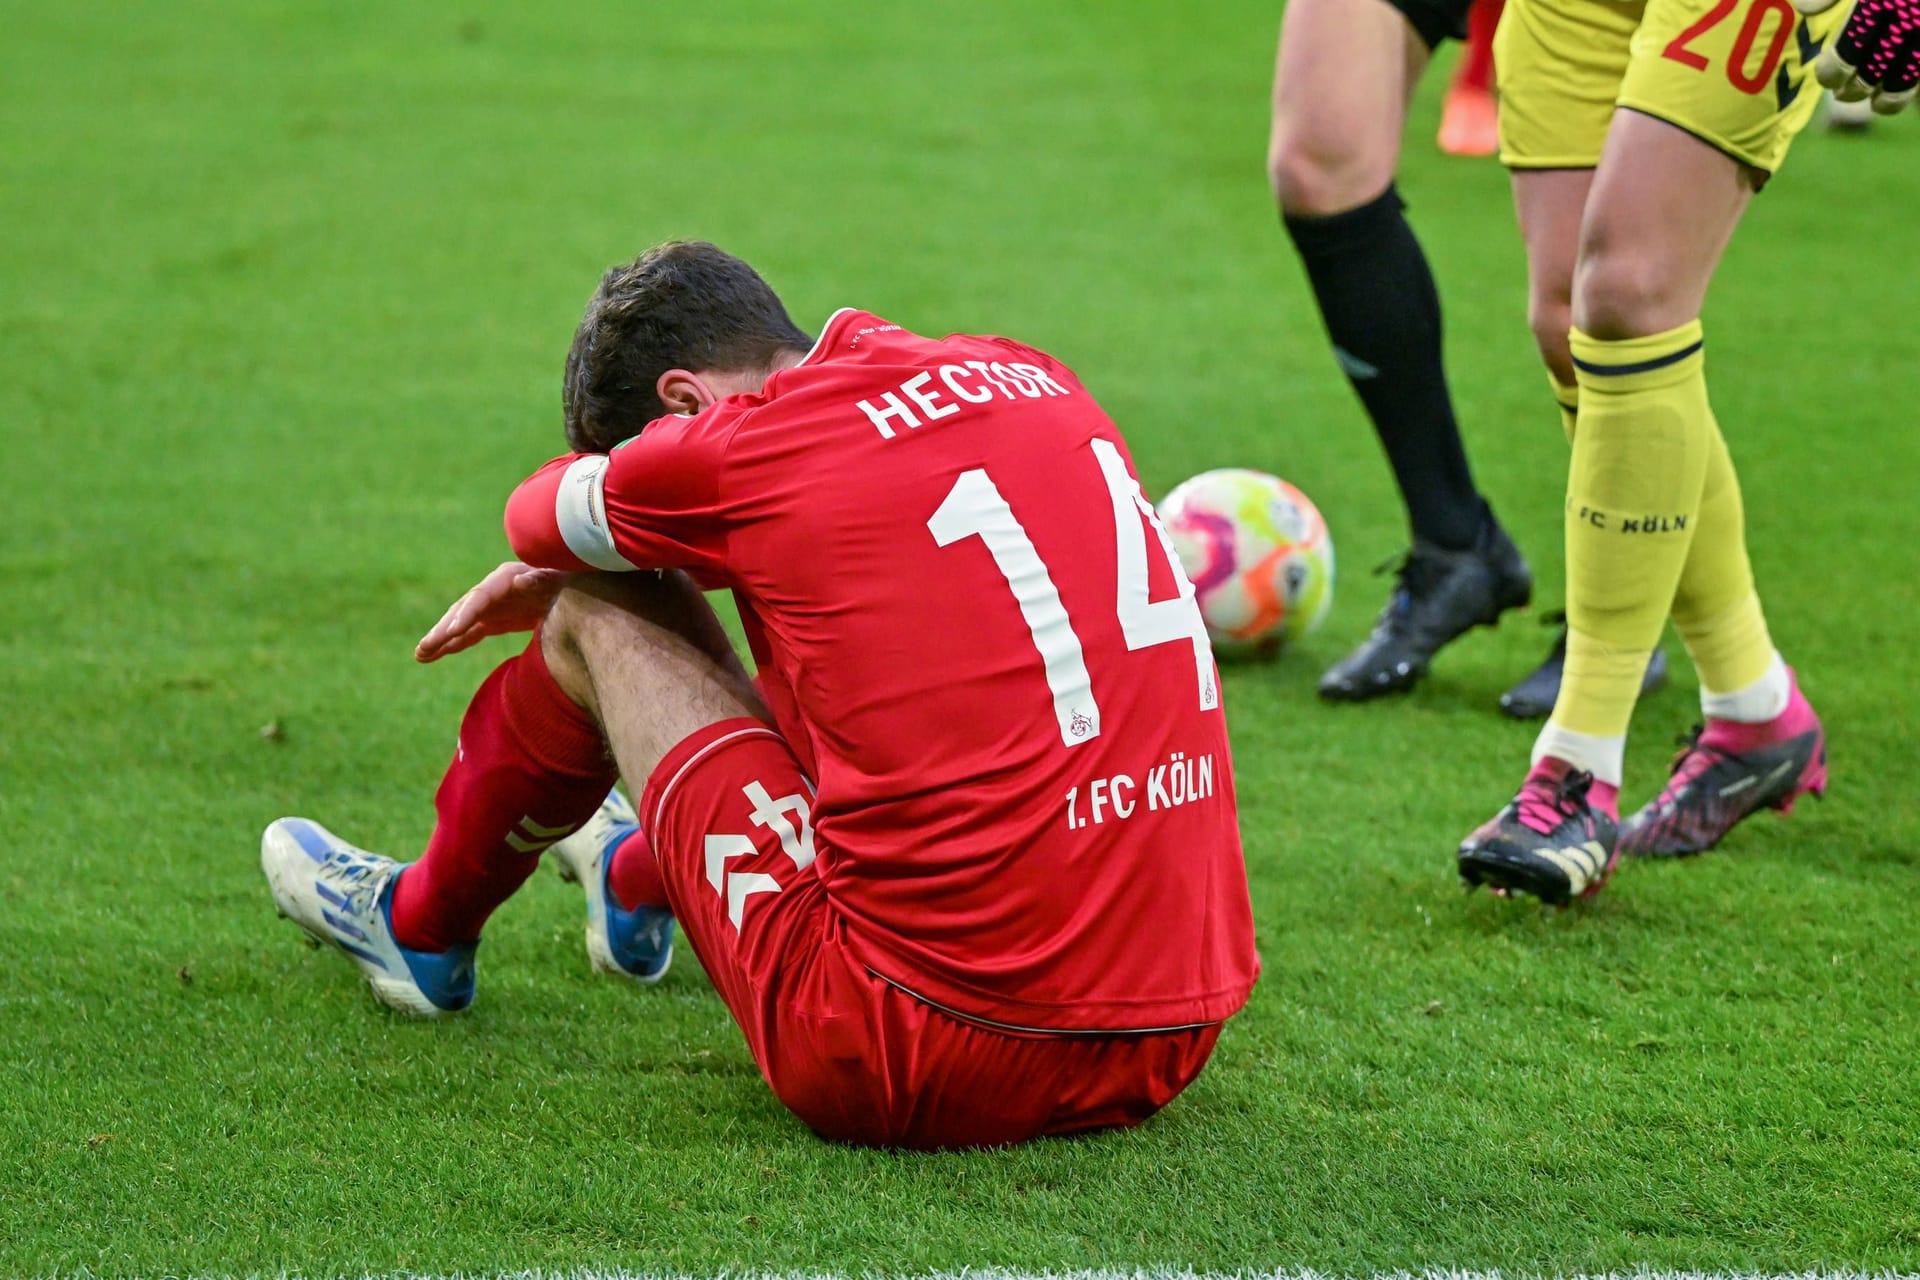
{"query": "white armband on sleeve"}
(580, 509)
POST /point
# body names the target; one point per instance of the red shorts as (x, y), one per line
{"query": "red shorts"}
(852, 1055)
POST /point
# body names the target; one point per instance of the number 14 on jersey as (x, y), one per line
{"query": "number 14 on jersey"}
(975, 508)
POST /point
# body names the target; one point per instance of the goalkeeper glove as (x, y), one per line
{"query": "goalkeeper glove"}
(1877, 53)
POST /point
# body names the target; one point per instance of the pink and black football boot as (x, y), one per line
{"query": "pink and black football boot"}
(1726, 771)
(1556, 840)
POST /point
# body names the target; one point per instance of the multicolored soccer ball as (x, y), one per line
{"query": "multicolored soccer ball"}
(1258, 554)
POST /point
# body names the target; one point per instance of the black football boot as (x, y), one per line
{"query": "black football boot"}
(1439, 594)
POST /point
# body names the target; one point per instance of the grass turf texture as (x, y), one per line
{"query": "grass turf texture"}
(284, 293)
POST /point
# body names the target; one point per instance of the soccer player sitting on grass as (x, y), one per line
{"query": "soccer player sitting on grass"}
(1637, 134)
(964, 861)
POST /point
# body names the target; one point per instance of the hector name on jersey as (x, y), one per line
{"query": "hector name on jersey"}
(974, 633)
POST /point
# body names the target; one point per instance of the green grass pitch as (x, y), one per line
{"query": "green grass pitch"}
(284, 292)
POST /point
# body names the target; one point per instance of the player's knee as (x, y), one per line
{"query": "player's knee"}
(599, 609)
(1620, 294)
(560, 646)
(1313, 175)
(598, 616)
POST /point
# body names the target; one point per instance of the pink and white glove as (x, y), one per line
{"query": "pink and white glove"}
(1876, 55)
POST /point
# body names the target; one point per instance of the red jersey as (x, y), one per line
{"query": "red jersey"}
(973, 631)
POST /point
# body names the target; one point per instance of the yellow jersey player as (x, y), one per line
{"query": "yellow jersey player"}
(1637, 132)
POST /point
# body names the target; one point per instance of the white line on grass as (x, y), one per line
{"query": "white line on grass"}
(997, 1273)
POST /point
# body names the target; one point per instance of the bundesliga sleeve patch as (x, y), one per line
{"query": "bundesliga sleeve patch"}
(580, 510)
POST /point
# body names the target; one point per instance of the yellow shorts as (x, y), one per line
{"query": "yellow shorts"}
(1734, 73)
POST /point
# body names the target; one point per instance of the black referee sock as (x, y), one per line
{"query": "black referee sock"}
(1382, 314)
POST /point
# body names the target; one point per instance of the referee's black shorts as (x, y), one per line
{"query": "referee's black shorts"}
(1435, 20)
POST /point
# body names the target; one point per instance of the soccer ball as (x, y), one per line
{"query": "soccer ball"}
(1258, 554)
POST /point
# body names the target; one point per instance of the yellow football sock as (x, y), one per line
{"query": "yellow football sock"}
(1716, 609)
(1633, 495)
(1568, 398)
(1600, 685)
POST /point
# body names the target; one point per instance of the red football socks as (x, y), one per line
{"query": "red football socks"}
(634, 877)
(530, 767)
(1476, 61)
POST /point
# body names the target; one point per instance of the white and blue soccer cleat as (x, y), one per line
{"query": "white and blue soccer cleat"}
(635, 944)
(343, 896)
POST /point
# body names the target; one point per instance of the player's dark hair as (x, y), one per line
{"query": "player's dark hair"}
(680, 305)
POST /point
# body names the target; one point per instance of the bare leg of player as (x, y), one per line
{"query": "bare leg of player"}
(1653, 525)
(645, 656)
(654, 640)
(690, 733)
(1342, 79)
(1549, 205)
(1663, 206)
